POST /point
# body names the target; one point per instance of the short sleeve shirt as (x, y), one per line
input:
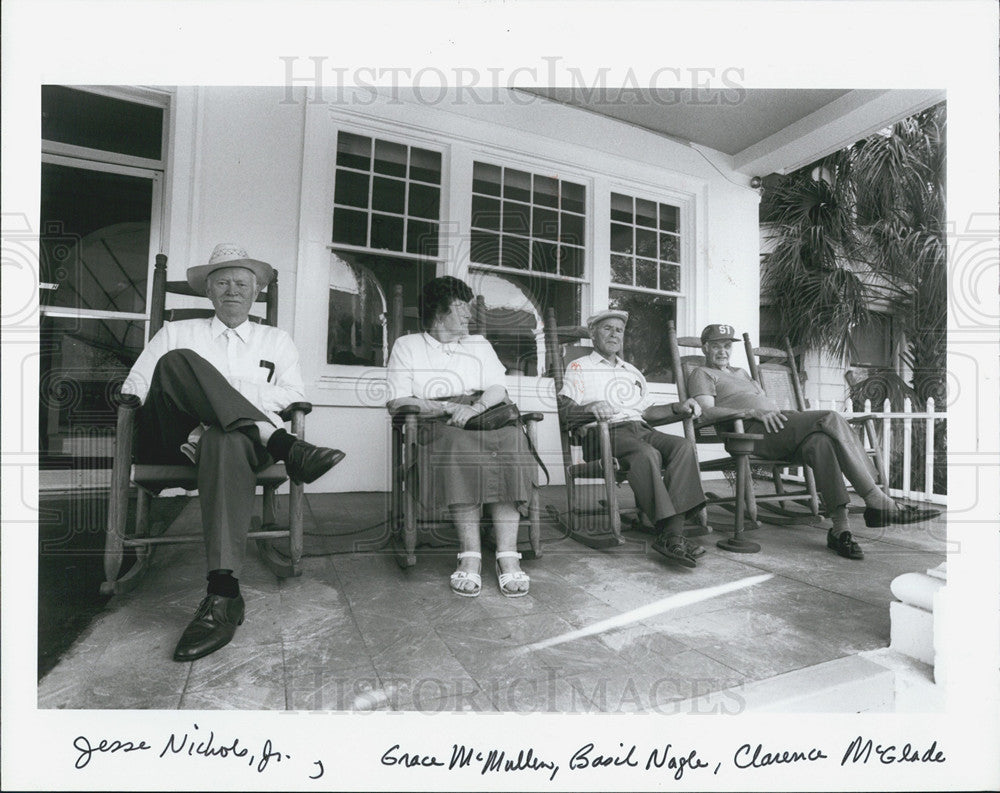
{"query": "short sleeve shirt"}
(732, 388)
(593, 378)
(421, 366)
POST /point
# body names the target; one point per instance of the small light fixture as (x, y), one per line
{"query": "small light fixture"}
(756, 182)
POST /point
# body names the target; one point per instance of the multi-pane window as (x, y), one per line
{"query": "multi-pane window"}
(645, 278)
(645, 244)
(528, 229)
(387, 196)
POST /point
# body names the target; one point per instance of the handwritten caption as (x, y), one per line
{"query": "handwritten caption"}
(674, 760)
(669, 759)
(197, 744)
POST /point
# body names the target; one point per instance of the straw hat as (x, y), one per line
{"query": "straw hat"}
(226, 254)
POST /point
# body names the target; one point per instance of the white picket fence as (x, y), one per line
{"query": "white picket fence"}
(908, 417)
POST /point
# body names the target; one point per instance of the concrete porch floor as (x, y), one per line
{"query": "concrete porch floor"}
(356, 632)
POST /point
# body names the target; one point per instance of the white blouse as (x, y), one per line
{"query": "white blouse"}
(421, 366)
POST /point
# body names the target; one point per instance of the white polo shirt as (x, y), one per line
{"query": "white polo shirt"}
(593, 378)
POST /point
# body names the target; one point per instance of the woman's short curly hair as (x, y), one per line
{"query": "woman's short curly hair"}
(438, 295)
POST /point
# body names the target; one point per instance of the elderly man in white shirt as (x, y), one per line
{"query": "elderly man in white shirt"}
(211, 390)
(604, 386)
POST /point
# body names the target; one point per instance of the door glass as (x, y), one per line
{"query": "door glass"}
(95, 239)
(84, 362)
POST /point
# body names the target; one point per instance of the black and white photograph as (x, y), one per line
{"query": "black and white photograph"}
(468, 395)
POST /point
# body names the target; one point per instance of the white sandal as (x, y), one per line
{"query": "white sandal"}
(461, 575)
(506, 578)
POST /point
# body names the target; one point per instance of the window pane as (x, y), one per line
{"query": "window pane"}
(544, 293)
(354, 151)
(572, 229)
(544, 257)
(669, 248)
(573, 197)
(621, 269)
(388, 195)
(646, 345)
(425, 166)
(95, 238)
(516, 218)
(514, 253)
(646, 243)
(571, 262)
(357, 311)
(486, 179)
(517, 185)
(351, 188)
(645, 213)
(83, 364)
(484, 248)
(506, 314)
(545, 224)
(422, 237)
(424, 201)
(350, 226)
(669, 218)
(645, 273)
(390, 158)
(621, 208)
(387, 232)
(546, 191)
(82, 118)
(621, 238)
(670, 277)
(485, 213)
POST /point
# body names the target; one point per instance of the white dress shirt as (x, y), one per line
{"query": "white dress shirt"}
(239, 355)
(421, 366)
(593, 378)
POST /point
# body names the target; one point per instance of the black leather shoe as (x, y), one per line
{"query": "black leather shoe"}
(213, 627)
(905, 513)
(844, 545)
(307, 463)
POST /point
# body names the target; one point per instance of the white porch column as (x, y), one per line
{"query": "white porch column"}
(916, 617)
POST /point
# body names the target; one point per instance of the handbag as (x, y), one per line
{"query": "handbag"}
(493, 418)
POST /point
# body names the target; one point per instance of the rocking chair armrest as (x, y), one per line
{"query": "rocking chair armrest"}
(532, 417)
(861, 419)
(128, 402)
(738, 443)
(707, 422)
(405, 410)
(305, 408)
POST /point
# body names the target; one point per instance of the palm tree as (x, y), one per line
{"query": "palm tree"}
(858, 229)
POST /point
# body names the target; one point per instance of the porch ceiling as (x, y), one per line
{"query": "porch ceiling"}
(762, 131)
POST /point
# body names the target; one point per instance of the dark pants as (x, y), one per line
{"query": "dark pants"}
(186, 391)
(816, 438)
(662, 469)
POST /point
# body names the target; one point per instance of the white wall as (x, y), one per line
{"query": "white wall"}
(251, 170)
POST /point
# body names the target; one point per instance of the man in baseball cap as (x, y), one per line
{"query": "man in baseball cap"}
(211, 390)
(662, 469)
(821, 439)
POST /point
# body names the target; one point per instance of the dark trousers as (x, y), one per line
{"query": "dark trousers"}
(811, 437)
(662, 469)
(186, 391)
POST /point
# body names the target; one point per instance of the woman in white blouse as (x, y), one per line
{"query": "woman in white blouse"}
(452, 376)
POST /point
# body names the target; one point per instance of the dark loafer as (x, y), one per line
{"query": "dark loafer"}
(213, 627)
(844, 545)
(307, 463)
(674, 548)
(905, 513)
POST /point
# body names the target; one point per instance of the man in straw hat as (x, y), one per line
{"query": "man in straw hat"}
(820, 438)
(604, 386)
(211, 390)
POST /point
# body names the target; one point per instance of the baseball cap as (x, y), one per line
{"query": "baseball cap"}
(718, 333)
